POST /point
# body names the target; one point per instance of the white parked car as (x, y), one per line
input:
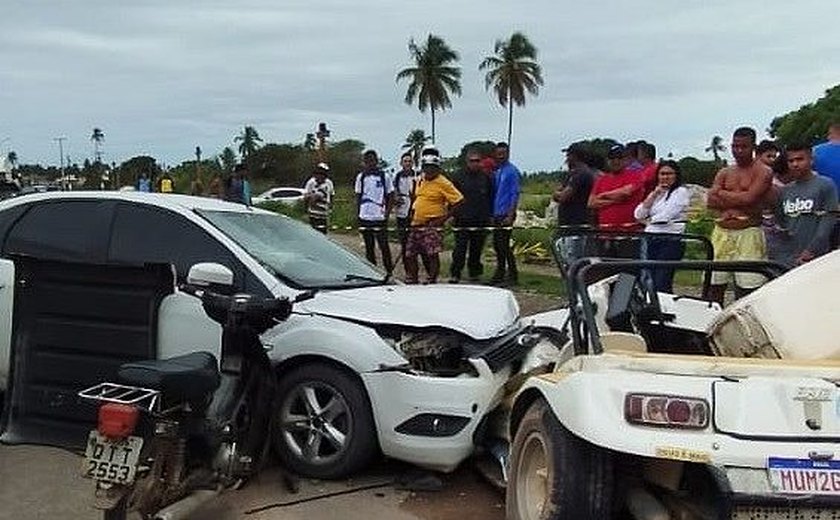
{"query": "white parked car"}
(665, 406)
(363, 366)
(284, 195)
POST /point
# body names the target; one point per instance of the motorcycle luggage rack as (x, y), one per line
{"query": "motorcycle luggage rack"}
(122, 394)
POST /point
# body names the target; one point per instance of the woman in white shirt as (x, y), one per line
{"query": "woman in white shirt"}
(663, 211)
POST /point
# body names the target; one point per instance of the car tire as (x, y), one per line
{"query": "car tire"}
(554, 474)
(323, 425)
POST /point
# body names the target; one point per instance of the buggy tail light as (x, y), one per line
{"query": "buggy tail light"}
(666, 411)
(117, 421)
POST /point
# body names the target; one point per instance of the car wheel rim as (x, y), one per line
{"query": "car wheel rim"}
(316, 423)
(532, 484)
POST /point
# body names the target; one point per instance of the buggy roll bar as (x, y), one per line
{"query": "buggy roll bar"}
(570, 244)
(605, 267)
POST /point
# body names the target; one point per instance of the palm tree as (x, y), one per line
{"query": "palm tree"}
(512, 72)
(716, 146)
(248, 141)
(97, 137)
(414, 142)
(227, 159)
(12, 157)
(433, 77)
(310, 143)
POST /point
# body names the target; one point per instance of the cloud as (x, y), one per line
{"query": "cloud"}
(163, 76)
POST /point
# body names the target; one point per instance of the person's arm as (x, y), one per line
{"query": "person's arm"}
(752, 196)
(713, 200)
(389, 196)
(674, 207)
(822, 237)
(358, 189)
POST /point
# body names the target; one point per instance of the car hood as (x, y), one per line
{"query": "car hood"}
(479, 312)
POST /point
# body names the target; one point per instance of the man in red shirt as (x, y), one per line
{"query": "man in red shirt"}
(614, 197)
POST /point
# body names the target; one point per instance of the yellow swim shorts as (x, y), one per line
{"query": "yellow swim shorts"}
(739, 244)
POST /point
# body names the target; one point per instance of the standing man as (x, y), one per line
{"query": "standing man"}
(614, 198)
(435, 200)
(767, 151)
(807, 231)
(403, 193)
(477, 189)
(738, 193)
(166, 184)
(572, 197)
(374, 198)
(318, 194)
(235, 188)
(827, 155)
(144, 183)
(505, 200)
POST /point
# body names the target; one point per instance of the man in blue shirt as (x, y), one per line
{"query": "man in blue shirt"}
(505, 201)
(827, 155)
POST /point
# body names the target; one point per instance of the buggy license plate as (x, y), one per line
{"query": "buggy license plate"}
(111, 460)
(804, 476)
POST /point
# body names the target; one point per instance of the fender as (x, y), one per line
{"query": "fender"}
(358, 347)
(7, 298)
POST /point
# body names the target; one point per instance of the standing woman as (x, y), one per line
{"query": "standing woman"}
(664, 212)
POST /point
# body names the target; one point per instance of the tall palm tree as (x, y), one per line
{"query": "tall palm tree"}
(97, 137)
(249, 141)
(12, 157)
(414, 142)
(310, 142)
(433, 77)
(716, 146)
(512, 72)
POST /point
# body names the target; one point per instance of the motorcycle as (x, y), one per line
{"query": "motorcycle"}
(174, 433)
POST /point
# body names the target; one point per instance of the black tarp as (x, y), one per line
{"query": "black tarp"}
(73, 326)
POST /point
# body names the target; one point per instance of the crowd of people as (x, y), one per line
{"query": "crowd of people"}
(477, 200)
(774, 202)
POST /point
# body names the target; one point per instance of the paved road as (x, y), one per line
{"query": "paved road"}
(43, 483)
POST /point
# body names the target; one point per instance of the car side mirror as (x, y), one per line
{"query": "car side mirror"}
(206, 274)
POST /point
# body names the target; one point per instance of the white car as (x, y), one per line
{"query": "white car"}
(283, 194)
(363, 366)
(666, 406)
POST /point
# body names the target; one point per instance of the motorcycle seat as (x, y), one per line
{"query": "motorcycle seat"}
(183, 378)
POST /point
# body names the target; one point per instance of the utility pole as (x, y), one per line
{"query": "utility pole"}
(61, 156)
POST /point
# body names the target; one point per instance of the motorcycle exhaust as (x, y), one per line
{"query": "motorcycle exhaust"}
(182, 509)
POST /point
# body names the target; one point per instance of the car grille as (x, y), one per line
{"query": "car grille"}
(784, 513)
(501, 352)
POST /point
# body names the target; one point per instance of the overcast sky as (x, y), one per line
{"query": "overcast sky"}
(162, 76)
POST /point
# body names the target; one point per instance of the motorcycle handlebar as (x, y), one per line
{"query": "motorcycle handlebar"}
(258, 311)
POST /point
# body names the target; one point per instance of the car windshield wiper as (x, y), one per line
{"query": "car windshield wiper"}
(358, 277)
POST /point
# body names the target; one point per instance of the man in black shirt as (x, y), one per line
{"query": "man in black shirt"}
(474, 212)
(571, 197)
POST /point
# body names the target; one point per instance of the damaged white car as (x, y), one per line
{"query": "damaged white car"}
(667, 407)
(363, 366)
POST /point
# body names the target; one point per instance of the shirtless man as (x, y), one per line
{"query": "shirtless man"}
(739, 193)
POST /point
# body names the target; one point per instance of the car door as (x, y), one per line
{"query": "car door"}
(143, 233)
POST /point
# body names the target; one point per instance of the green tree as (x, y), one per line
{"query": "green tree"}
(12, 157)
(249, 141)
(97, 137)
(227, 159)
(414, 143)
(433, 76)
(716, 147)
(309, 142)
(810, 122)
(512, 72)
(127, 173)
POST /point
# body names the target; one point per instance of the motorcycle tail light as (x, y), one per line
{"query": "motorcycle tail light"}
(666, 411)
(117, 421)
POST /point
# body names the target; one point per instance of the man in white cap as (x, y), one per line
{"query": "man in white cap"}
(319, 192)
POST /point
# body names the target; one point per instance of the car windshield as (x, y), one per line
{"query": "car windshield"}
(293, 251)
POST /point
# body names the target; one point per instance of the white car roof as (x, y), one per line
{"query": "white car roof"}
(175, 202)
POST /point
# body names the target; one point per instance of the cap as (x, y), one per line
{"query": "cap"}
(323, 167)
(615, 151)
(430, 160)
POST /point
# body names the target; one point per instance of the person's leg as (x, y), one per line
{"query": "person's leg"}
(513, 273)
(367, 236)
(663, 278)
(381, 235)
(410, 259)
(751, 246)
(318, 223)
(459, 254)
(499, 239)
(433, 261)
(474, 250)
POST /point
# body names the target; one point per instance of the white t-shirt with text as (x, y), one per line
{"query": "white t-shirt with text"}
(374, 189)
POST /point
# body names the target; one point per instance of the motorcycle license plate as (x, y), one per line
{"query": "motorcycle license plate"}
(804, 476)
(108, 460)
